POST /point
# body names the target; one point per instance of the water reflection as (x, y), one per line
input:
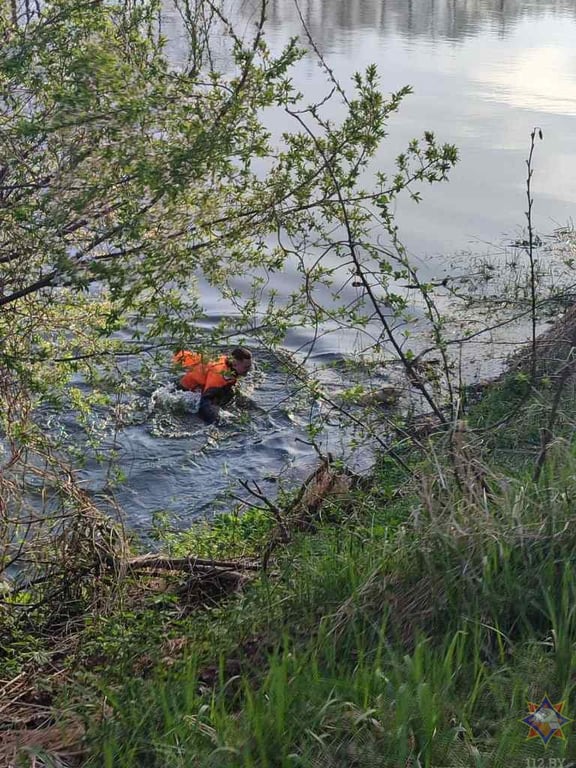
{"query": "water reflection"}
(483, 72)
(431, 19)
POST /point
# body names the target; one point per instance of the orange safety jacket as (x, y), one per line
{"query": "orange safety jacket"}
(205, 376)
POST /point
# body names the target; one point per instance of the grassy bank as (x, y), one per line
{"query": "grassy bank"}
(408, 625)
(411, 627)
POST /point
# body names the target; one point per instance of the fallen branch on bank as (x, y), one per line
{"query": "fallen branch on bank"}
(327, 482)
(190, 564)
(207, 581)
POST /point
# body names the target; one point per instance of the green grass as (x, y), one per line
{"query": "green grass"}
(378, 642)
(408, 629)
(512, 414)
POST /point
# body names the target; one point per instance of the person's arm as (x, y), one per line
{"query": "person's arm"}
(211, 401)
(208, 411)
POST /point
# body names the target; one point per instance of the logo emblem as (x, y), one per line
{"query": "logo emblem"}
(546, 720)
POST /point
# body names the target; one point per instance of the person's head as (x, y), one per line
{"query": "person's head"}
(240, 359)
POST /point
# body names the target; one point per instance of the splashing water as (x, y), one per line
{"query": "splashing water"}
(172, 411)
(168, 460)
(168, 398)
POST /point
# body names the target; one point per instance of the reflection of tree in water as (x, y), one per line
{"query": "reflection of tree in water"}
(449, 19)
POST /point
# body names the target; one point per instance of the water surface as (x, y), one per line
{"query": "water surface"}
(484, 73)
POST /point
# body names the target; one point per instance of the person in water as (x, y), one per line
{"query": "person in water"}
(215, 379)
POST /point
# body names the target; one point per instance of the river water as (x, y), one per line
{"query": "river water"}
(484, 74)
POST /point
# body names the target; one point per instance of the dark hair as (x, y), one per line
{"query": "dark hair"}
(241, 353)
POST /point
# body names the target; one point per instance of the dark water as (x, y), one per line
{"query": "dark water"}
(484, 74)
(172, 462)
